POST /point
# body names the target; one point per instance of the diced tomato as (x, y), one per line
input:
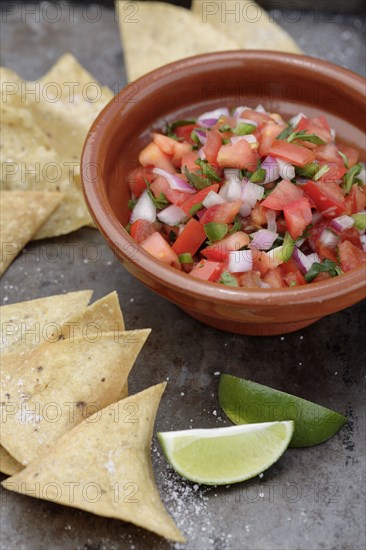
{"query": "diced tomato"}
(212, 147)
(136, 180)
(284, 193)
(157, 246)
(291, 274)
(351, 153)
(328, 154)
(298, 216)
(152, 155)
(324, 276)
(222, 213)
(260, 118)
(350, 256)
(184, 132)
(295, 154)
(261, 261)
(142, 229)
(207, 270)
(189, 161)
(351, 235)
(219, 251)
(273, 278)
(258, 215)
(191, 238)
(172, 147)
(250, 279)
(159, 185)
(356, 200)
(327, 196)
(314, 126)
(237, 155)
(325, 253)
(176, 197)
(266, 136)
(198, 197)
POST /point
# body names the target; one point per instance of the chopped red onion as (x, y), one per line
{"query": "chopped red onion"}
(287, 171)
(263, 239)
(212, 199)
(271, 220)
(333, 133)
(262, 284)
(329, 239)
(248, 121)
(260, 109)
(172, 215)
(238, 111)
(210, 118)
(201, 134)
(175, 182)
(304, 262)
(144, 209)
(300, 242)
(201, 154)
(342, 222)
(231, 190)
(271, 167)
(240, 261)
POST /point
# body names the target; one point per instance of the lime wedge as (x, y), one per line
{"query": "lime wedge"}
(226, 455)
(244, 401)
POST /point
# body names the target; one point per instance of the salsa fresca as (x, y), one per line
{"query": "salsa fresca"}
(246, 199)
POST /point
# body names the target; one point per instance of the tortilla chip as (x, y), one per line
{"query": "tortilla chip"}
(8, 464)
(25, 325)
(246, 23)
(43, 134)
(22, 213)
(56, 386)
(109, 454)
(160, 33)
(103, 315)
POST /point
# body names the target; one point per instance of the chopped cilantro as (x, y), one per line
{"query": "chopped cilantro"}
(321, 172)
(208, 170)
(350, 178)
(132, 203)
(285, 133)
(327, 266)
(344, 158)
(227, 279)
(197, 180)
(303, 136)
(307, 171)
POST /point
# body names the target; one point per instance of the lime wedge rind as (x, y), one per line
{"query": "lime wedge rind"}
(222, 456)
(244, 401)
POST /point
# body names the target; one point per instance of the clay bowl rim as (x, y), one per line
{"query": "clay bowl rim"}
(98, 203)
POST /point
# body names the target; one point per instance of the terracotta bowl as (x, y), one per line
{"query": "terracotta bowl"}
(283, 83)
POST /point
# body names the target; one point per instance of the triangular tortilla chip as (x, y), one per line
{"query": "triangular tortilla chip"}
(50, 126)
(25, 325)
(159, 33)
(109, 454)
(57, 386)
(246, 23)
(8, 464)
(21, 215)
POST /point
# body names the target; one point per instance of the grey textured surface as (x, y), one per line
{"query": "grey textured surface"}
(312, 498)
